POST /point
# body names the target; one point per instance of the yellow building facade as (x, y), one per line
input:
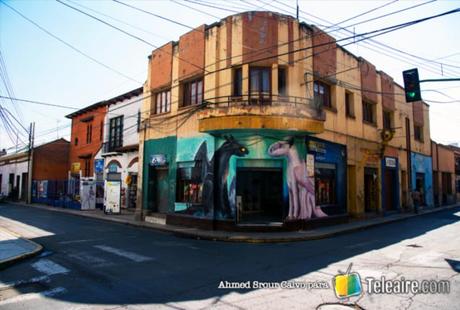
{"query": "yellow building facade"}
(260, 119)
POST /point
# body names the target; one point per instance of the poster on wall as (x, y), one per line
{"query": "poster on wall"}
(88, 194)
(112, 196)
(43, 189)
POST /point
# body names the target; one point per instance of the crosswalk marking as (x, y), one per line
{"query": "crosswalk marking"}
(129, 255)
(48, 267)
(30, 296)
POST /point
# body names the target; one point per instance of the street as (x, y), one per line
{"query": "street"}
(92, 264)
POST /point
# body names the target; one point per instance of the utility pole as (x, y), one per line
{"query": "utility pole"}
(30, 161)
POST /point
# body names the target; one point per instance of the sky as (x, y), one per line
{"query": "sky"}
(40, 68)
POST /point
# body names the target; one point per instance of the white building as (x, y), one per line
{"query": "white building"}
(13, 175)
(121, 143)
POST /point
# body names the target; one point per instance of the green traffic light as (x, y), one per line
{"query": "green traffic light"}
(411, 94)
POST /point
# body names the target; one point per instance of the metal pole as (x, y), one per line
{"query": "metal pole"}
(440, 80)
(31, 158)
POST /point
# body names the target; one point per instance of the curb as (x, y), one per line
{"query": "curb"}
(238, 237)
(11, 260)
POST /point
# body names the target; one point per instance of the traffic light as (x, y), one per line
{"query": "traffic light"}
(412, 85)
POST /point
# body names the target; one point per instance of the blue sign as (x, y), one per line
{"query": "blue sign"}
(99, 165)
(157, 160)
(113, 167)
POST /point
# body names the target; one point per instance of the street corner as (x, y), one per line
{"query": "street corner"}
(15, 248)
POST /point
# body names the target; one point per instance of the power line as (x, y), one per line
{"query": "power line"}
(70, 45)
(125, 32)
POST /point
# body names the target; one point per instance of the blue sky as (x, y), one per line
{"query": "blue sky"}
(43, 69)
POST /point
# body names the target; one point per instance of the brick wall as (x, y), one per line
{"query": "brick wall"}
(51, 161)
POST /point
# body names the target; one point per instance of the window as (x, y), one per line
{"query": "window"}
(237, 82)
(349, 104)
(322, 94)
(86, 171)
(192, 92)
(76, 141)
(89, 132)
(116, 133)
(260, 80)
(101, 131)
(163, 102)
(325, 186)
(418, 133)
(368, 112)
(138, 121)
(282, 81)
(189, 184)
(387, 120)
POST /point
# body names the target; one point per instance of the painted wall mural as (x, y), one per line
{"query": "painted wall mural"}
(301, 187)
(204, 186)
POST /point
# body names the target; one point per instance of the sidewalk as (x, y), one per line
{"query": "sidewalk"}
(14, 248)
(249, 237)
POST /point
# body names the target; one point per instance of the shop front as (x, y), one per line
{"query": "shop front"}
(232, 181)
(329, 174)
(390, 184)
(422, 177)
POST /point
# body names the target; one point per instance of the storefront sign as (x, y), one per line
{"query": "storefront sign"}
(99, 165)
(316, 146)
(157, 160)
(75, 168)
(310, 165)
(390, 162)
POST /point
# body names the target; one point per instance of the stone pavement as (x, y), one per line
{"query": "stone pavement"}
(14, 248)
(248, 237)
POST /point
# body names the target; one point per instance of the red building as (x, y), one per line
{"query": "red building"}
(86, 138)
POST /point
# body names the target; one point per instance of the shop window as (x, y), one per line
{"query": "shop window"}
(325, 184)
(189, 184)
(116, 133)
(163, 102)
(369, 112)
(418, 133)
(238, 82)
(349, 104)
(192, 92)
(89, 132)
(282, 81)
(387, 120)
(260, 85)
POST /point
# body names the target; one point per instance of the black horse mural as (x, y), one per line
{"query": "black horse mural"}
(214, 174)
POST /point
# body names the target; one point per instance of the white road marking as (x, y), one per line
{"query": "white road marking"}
(90, 259)
(129, 255)
(48, 267)
(77, 241)
(30, 296)
(16, 283)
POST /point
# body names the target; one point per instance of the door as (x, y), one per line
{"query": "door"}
(158, 189)
(132, 192)
(390, 192)
(24, 191)
(261, 193)
(420, 186)
(17, 188)
(370, 189)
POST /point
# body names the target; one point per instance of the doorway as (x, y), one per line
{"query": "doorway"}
(158, 189)
(370, 189)
(390, 185)
(24, 186)
(420, 186)
(260, 191)
(132, 191)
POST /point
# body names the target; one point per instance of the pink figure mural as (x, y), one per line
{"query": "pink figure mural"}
(301, 187)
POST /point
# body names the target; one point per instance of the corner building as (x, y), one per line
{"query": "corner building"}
(260, 119)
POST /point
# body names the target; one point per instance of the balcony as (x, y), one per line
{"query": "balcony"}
(286, 113)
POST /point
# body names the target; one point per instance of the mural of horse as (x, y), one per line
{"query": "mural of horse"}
(301, 187)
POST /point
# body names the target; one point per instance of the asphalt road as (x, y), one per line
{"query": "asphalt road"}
(90, 264)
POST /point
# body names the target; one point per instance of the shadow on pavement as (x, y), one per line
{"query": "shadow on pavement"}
(186, 269)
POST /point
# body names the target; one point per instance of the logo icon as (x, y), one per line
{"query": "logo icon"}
(347, 284)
